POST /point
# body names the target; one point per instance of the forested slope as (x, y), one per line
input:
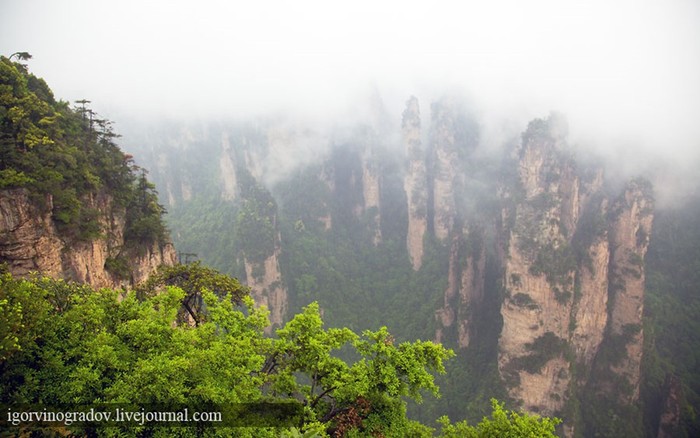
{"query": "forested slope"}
(72, 204)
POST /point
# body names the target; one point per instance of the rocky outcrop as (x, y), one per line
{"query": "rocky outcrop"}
(574, 276)
(371, 197)
(415, 183)
(326, 178)
(444, 161)
(266, 287)
(258, 241)
(465, 288)
(589, 315)
(632, 216)
(539, 270)
(227, 170)
(28, 238)
(30, 242)
(670, 419)
(353, 174)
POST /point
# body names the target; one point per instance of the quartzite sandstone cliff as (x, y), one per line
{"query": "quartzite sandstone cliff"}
(30, 242)
(573, 275)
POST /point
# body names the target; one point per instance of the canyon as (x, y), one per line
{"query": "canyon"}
(568, 245)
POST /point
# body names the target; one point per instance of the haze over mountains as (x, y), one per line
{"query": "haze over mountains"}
(623, 73)
(491, 176)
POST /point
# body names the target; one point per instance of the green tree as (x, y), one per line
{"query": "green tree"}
(22, 56)
(502, 424)
(364, 397)
(144, 213)
(70, 346)
(194, 279)
(56, 154)
(67, 345)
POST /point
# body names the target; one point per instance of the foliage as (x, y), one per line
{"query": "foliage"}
(503, 423)
(70, 154)
(540, 351)
(205, 226)
(255, 230)
(556, 262)
(118, 266)
(536, 129)
(66, 345)
(78, 347)
(13, 178)
(144, 213)
(256, 233)
(195, 280)
(524, 300)
(365, 395)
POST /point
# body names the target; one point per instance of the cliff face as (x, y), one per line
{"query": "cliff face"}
(465, 287)
(632, 216)
(267, 289)
(415, 182)
(539, 269)
(357, 178)
(30, 242)
(371, 191)
(574, 277)
(444, 160)
(258, 238)
(227, 170)
(589, 313)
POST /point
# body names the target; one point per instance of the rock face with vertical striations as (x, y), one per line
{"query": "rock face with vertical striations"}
(444, 173)
(266, 287)
(227, 170)
(631, 220)
(573, 274)
(465, 287)
(589, 314)
(371, 192)
(258, 244)
(415, 182)
(539, 270)
(370, 137)
(30, 242)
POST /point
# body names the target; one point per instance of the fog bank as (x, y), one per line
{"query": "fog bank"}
(625, 73)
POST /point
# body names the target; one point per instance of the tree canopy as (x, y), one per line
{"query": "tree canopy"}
(48, 148)
(66, 345)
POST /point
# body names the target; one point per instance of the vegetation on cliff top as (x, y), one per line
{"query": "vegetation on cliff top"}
(49, 148)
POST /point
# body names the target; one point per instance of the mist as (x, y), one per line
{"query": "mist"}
(624, 73)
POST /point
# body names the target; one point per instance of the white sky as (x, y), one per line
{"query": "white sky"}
(626, 72)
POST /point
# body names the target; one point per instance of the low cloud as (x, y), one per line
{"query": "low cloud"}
(625, 73)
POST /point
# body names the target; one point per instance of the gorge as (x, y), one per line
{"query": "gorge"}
(525, 257)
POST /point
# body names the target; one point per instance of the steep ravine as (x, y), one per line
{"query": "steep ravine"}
(563, 247)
